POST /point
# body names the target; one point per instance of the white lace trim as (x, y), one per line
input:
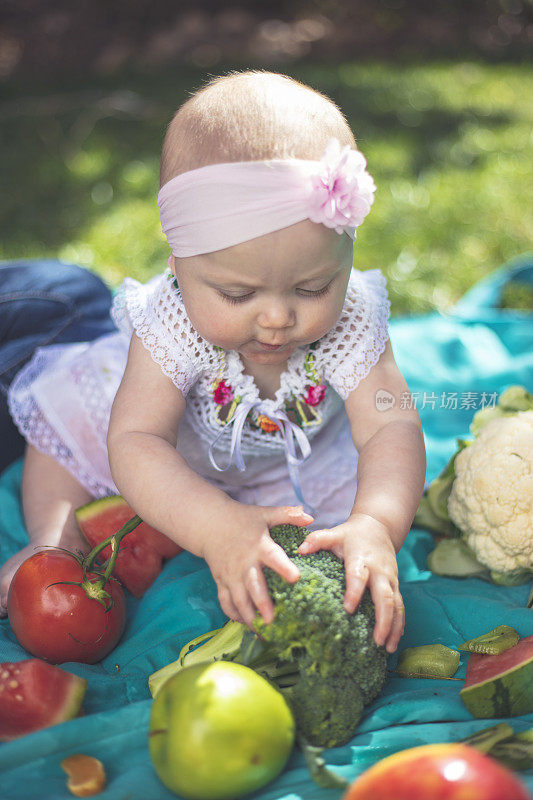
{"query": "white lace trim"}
(350, 350)
(159, 319)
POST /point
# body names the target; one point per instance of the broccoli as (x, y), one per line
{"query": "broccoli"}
(323, 660)
(340, 668)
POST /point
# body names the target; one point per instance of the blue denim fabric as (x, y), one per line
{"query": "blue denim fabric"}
(43, 302)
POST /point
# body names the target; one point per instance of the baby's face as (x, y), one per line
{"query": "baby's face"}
(266, 297)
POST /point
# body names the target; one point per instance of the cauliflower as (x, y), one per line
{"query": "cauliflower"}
(491, 499)
(482, 501)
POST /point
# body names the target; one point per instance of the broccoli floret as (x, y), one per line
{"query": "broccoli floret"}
(340, 667)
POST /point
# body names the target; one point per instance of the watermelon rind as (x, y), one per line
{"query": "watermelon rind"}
(47, 694)
(507, 689)
(73, 699)
(95, 507)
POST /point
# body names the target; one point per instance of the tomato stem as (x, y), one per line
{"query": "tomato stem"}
(114, 540)
(95, 588)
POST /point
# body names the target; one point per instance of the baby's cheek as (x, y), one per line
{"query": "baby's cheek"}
(317, 324)
(225, 331)
(220, 328)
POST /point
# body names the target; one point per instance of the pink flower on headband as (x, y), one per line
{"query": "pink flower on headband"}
(343, 190)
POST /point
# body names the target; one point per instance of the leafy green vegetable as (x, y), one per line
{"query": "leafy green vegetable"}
(432, 512)
(516, 752)
(513, 750)
(515, 577)
(514, 399)
(319, 771)
(485, 739)
(453, 558)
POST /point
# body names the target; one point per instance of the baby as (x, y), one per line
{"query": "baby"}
(241, 389)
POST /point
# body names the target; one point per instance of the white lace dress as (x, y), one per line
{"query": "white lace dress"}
(62, 399)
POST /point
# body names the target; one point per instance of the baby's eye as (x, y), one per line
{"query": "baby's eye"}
(315, 293)
(238, 298)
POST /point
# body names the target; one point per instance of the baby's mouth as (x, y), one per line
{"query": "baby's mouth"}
(266, 346)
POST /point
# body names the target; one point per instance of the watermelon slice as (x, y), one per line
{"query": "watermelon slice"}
(35, 695)
(142, 551)
(500, 685)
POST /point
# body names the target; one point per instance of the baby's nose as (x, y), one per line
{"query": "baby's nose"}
(276, 314)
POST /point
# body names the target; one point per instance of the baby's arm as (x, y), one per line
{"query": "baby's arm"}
(159, 484)
(390, 480)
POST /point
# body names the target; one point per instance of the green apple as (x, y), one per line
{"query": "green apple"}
(219, 730)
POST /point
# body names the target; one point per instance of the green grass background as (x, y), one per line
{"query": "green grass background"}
(449, 144)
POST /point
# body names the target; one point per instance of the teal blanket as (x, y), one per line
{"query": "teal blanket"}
(453, 365)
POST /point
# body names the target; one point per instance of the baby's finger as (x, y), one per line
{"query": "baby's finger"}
(277, 559)
(227, 605)
(244, 605)
(357, 575)
(256, 584)
(397, 625)
(318, 540)
(383, 597)
(288, 515)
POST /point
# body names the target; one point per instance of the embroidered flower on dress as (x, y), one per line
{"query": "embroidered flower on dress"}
(223, 393)
(266, 424)
(343, 191)
(315, 394)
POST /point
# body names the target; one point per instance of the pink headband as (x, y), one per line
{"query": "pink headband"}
(221, 205)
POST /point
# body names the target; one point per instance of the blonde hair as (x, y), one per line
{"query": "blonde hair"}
(250, 116)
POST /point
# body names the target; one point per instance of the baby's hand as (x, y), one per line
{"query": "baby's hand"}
(239, 549)
(370, 560)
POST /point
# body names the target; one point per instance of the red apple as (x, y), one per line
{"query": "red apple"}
(437, 772)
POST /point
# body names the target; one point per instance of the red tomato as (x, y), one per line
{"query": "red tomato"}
(62, 623)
